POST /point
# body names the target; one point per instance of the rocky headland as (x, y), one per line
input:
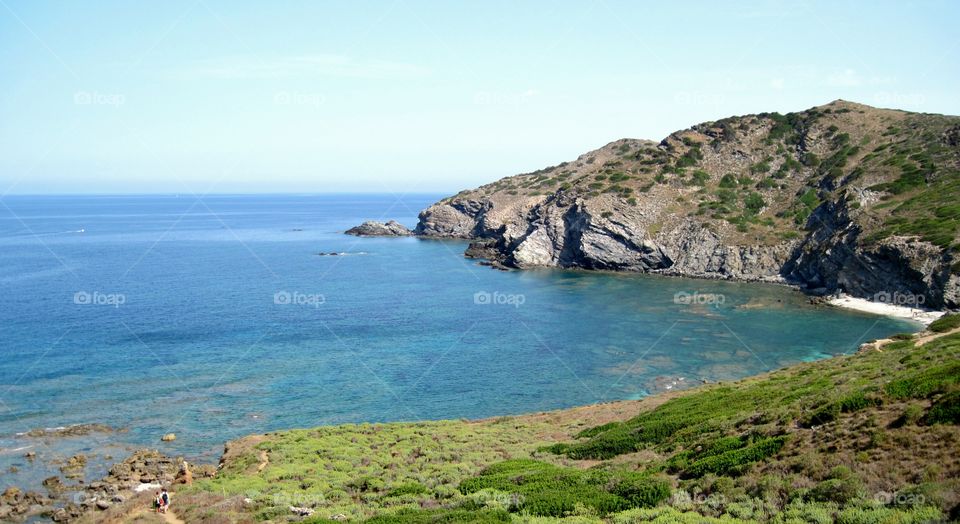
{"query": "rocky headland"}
(838, 198)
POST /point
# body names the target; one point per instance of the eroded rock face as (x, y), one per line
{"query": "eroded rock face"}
(607, 235)
(604, 236)
(816, 199)
(372, 228)
(899, 269)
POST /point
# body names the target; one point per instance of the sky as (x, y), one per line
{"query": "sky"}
(403, 96)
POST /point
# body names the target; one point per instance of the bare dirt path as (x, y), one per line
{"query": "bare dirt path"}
(932, 336)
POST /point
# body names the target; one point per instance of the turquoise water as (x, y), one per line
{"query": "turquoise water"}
(216, 318)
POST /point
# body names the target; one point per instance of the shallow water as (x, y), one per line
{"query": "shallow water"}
(216, 318)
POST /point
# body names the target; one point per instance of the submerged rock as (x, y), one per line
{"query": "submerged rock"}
(372, 228)
(76, 430)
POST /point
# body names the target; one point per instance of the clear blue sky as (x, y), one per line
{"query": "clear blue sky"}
(216, 96)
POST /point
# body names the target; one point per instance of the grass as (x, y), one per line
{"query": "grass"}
(945, 323)
(816, 442)
(543, 489)
(359, 470)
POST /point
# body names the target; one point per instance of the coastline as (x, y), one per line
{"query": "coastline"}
(922, 316)
(126, 490)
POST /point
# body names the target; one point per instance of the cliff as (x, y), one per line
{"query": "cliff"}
(838, 197)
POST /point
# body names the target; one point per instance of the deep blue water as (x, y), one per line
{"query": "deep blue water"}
(185, 333)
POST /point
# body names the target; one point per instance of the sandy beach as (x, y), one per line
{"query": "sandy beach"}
(924, 316)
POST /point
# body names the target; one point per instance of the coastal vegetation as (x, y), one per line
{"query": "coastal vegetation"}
(869, 437)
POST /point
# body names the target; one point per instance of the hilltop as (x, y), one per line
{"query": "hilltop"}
(842, 196)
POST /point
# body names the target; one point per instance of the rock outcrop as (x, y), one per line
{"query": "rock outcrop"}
(842, 197)
(16, 504)
(373, 228)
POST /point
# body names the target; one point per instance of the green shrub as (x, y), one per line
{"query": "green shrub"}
(858, 515)
(945, 323)
(753, 203)
(767, 183)
(736, 461)
(548, 490)
(407, 488)
(842, 487)
(596, 430)
(801, 511)
(857, 401)
(641, 491)
(911, 415)
(925, 383)
(441, 516)
(946, 410)
(616, 441)
(760, 167)
(700, 177)
(822, 415)
(366, 484)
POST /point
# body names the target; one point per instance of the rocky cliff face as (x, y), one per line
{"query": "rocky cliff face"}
(838, 197)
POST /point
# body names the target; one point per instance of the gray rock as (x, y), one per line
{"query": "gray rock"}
(588, 234)
(373, 228)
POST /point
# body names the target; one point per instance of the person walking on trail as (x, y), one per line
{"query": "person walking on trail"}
(158, 503)
(165, 500)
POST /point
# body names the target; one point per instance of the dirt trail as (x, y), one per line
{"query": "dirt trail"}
(927, 336)
(171, 518)
(932, 336)
(150, 515)
(264, 461)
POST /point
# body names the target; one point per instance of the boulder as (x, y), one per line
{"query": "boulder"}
(372, 228)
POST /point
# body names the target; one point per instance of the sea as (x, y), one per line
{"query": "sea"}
(218, 316)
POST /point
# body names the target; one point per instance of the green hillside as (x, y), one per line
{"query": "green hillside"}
(871, 437)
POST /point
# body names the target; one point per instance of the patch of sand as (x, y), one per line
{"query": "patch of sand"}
(923, 316)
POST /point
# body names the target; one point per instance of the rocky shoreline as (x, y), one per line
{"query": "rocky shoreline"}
(69, 497)
(807, 217)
